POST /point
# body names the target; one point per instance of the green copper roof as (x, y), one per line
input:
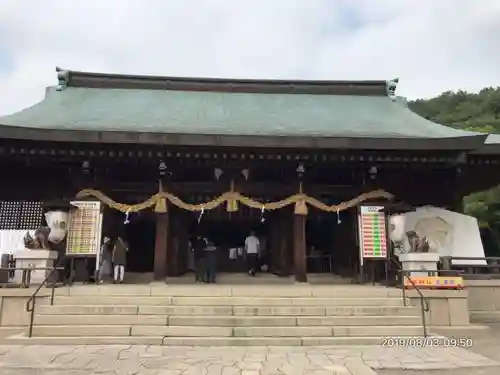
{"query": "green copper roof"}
(95, 107)
(226, 113)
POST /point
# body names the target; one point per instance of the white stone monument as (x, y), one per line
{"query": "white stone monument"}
(410, 261)
(419, 261)
(34, 259)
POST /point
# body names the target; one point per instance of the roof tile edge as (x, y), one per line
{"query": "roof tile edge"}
(122, 81)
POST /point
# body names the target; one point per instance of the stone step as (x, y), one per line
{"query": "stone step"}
(194, 331)
(227, 321)
(273, 321)
(366, 300)
(7, 331)
(87, 310)
(193, 341)
(83, 319)
(319, 311)
(83, 330)
(113, 300)
(82, 340)
(226, 310)
(271, 341)
(485, 316)
(197, 290)
(276, 301)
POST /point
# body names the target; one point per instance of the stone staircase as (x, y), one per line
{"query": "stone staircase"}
(214, 315)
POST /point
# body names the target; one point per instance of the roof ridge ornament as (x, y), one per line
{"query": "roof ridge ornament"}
(63, 78)
(390, 86)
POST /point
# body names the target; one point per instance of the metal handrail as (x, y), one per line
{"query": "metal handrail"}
(26, 275)
(490, 268)
(472, 258)
(30, 304)
(424, 303)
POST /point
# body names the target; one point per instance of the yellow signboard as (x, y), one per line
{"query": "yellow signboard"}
(435, 282)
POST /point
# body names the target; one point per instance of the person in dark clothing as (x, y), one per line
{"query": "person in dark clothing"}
(105, 268)
(119, 259)
(211, 261)
(198, 244)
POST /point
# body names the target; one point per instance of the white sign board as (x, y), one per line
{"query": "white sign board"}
(372, 232)
(84, 229)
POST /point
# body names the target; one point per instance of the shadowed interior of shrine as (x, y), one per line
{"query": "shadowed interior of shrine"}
(330, 239)
(228, 231)
(159, 240)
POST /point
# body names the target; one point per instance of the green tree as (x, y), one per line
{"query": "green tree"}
(462, 110)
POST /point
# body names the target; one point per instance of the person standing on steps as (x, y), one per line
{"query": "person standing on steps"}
(119, 260)
(198, 245)
(252, 248)
(211, 261)
(105, 264)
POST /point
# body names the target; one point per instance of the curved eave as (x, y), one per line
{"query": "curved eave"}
(465, 143)
(490, 147)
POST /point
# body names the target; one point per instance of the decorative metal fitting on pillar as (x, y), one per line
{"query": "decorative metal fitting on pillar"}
(218, 173)
(372, 172)
(86, 167)
(301, 170)
(162, 168)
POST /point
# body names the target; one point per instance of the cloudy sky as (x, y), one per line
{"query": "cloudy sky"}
(432, 45)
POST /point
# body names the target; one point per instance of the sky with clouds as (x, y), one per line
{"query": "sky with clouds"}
(431, 45)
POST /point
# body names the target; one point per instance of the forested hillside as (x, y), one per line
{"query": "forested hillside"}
(462, 110)
(479, 112)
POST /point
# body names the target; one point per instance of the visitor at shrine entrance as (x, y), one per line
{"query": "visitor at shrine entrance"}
(252, 251)
(119, 260)
(205, 259)
(197, 248)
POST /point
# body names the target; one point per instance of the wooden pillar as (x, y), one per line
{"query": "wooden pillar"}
(161, 246)
(274, 244)
(183, 244)
(177, 243)
(458, 196)
(285, 244)
(299, 248)
(162, 231)
(173, 244)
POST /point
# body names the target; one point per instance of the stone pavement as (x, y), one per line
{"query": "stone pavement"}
(488, 346)
(164, 360)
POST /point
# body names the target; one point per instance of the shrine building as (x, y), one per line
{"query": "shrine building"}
(291, 160)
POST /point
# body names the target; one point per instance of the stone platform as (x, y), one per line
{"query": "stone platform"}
(223, 315)
(229, 315)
